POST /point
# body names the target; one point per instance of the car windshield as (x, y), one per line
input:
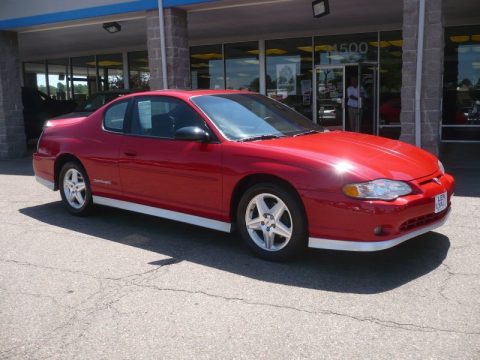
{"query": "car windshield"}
(97, 101)
(244, 117)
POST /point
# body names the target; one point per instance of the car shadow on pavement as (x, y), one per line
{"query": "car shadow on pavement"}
(361, 273)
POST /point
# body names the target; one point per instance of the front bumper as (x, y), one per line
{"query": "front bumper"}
(319, 243)
(337, 222)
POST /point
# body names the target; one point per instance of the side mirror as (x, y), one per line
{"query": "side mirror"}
(192, 133)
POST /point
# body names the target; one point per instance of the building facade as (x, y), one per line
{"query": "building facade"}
(416, 62)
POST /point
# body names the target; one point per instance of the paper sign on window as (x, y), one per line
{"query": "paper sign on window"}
(145, 114)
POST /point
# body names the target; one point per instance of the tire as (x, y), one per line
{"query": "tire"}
(75, 189)
(280, 233)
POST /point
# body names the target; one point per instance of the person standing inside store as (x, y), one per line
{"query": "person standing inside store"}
(354, 104)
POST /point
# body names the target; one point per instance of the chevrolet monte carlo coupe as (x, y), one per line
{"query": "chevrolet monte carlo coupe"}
(237, 160)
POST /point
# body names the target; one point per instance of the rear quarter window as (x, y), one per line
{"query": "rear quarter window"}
(114, 116)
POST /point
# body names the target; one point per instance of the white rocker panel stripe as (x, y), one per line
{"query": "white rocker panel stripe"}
(49, 184)
(166, 214)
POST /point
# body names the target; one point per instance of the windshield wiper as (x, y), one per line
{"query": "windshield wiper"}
(261, 137)
(307, 133)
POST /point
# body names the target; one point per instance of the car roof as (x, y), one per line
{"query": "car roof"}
(186, 94)
(116, 91)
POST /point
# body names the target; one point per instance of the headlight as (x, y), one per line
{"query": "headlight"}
(441, 167)
(381, 189)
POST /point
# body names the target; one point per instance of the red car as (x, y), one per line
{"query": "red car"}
(237, 160)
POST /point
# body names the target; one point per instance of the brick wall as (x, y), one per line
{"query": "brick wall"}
(12, 133)
(154, 50)
(432, 82)
(431, 113)
(176, 44)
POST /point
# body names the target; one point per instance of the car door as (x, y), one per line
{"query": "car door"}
(100, 148)
(157, 170)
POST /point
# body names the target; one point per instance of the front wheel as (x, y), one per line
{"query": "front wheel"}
(75, 189)
(272, 222)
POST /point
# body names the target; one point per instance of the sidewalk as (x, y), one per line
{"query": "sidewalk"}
(463, 162)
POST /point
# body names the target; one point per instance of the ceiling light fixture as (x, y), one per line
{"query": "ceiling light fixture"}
(320, 8)
(112, 27)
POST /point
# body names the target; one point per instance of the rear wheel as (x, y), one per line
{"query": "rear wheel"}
(272, 222)
(75, 189)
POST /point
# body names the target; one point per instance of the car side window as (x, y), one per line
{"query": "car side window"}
(161, 116)
(114, 116)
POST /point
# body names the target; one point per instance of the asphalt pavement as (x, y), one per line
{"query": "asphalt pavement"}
(118, 285)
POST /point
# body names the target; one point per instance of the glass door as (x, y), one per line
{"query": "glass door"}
(330, 99)
(368, 104)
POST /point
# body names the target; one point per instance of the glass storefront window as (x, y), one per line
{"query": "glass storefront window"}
(461, 97)
(331, 97)
(138, 70)
(242, 66)
(206, 64)
(110, 72)
(346, 65)
(58, 76)
(83, 78)
(289, 73)
(34, 76)
(344, 49)
(390, 47)
(373, 60)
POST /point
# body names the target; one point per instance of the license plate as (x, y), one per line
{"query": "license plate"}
(440, 202)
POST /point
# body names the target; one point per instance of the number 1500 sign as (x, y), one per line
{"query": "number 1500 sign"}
(353, 47)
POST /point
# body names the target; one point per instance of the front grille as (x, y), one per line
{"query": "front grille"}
(430, 180)
(422, 220)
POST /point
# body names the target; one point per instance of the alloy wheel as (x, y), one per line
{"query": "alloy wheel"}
(74, 188)
(269, 222)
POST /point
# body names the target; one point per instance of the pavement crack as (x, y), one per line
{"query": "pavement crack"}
(37, 295)
(140, 274)
(450, 274)
(449, 271)
(380, 322)
(121, 278)
(78, 322)
(24, 263)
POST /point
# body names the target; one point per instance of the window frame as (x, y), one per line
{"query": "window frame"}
(136, 99)
(125, 119)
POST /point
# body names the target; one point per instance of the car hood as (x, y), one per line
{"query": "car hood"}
(365, 156)
(72, 115)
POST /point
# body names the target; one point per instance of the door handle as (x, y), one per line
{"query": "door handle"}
(130, 153)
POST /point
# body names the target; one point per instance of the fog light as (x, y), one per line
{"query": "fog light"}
(378, 230)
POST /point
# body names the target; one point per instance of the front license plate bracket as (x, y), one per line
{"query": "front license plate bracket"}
(440, 202)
